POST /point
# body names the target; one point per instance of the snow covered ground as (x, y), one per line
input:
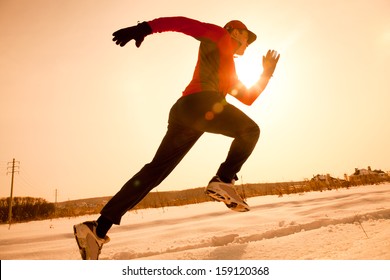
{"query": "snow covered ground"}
(345, 224)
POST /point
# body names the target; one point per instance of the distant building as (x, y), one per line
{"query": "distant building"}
(368, 176)
(321, 177)
(326, 181)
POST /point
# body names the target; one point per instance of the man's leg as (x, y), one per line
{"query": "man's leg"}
(245, 133)
(232, 122)
(178, 140)
(174, 146)
(209, 112)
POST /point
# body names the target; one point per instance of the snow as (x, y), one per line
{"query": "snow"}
(343, 224)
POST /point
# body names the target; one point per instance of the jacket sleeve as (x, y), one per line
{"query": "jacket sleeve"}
(199, 30)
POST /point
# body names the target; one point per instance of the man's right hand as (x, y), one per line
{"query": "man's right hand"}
(137, 33)
(269, 63)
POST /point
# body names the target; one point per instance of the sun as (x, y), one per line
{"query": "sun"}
(249, 68)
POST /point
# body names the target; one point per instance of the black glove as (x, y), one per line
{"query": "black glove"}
(269, 63)
(137, 33)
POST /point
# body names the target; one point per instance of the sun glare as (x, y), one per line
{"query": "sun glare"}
(249, 68)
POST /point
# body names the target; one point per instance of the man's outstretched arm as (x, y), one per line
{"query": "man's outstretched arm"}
(249, 95)
(191, 27)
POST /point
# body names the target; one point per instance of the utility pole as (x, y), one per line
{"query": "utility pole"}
(55, 202)
(12, 187)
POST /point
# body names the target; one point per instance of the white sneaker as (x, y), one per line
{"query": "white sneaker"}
(226, 193)
(90, 245)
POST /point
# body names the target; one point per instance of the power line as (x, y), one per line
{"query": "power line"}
(29, 183)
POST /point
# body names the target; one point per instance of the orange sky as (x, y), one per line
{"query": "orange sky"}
(83, 115)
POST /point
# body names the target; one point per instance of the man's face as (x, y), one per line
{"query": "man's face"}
(242, 37)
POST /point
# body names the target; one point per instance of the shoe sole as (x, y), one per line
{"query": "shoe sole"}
(229, 204)
(88, 247)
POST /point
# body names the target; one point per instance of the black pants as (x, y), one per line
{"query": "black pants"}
(189, 118)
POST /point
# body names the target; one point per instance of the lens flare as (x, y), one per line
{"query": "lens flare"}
(249, 68)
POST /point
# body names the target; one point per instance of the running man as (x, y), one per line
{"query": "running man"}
(201, 108)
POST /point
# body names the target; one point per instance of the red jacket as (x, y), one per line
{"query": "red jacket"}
(215, 69)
